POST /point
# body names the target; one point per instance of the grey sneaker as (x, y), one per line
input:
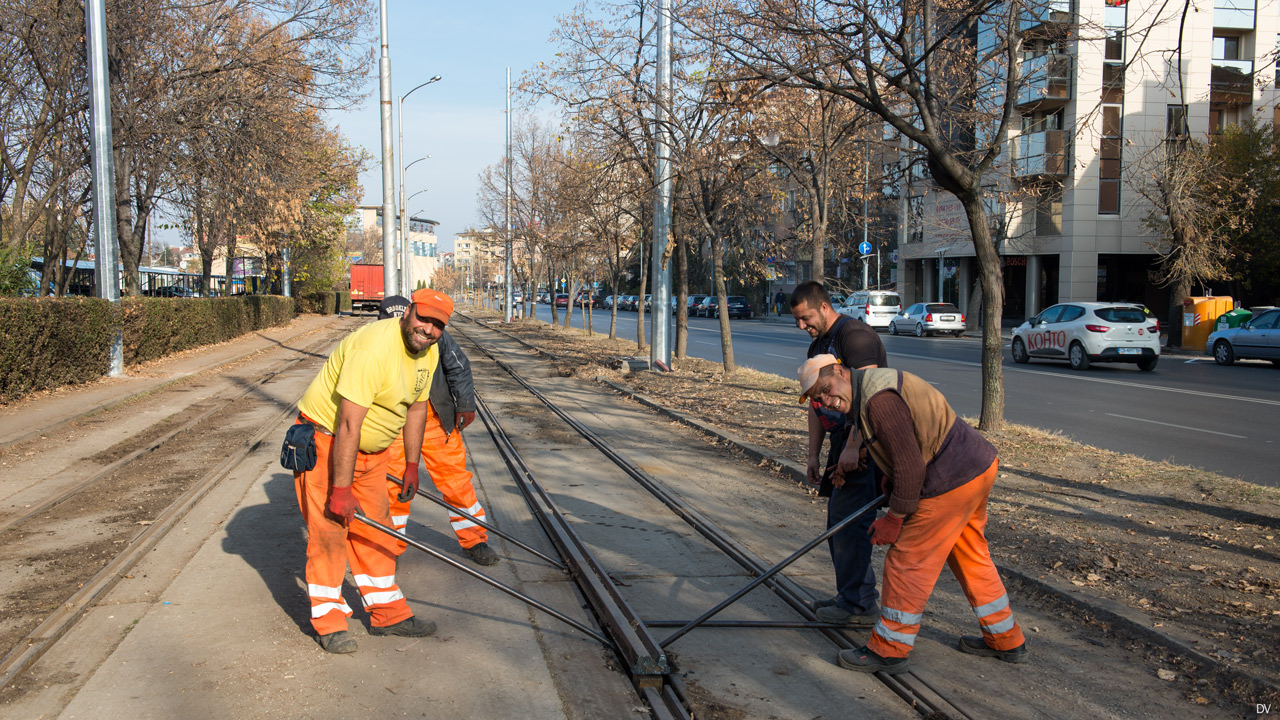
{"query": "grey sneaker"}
(339, 643)
(482, 554)
(837, 615)
(413, 627)
(977, 645)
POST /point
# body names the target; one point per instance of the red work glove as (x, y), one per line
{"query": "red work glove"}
(884, 531)
(408, 483)
(342, 503)
(465, 419)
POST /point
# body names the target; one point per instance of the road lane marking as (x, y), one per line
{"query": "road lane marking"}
(1104, 381)
(784, 357)
(1180, 427)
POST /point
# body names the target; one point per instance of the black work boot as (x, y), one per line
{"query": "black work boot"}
(412, 627)
(837, 615)
(863, 660)
(977, 645)
(482, 554)
(339, 643)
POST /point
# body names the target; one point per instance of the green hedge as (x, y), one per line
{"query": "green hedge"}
(46, 343)
(49, 342)
(325, 303)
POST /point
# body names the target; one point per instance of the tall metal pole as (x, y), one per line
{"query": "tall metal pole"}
(660, 271)
(104, 197)
(507, 265)
(390, 286)
(404, 233)
(866, 221)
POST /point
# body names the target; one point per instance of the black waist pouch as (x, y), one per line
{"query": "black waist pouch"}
(299, 450)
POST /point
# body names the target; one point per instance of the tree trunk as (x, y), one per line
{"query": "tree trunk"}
(726, 339)
(641, 340)
(682, 297)
(992, 308)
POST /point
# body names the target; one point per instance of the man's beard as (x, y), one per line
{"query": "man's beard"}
(415, 340)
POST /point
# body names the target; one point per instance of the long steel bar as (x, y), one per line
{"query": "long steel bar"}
(869, 507)
(442, 503)
(485, 578)
(642, 653)
(765, 624)
(786, 589)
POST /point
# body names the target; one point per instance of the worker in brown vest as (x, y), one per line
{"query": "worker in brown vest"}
(939, 472)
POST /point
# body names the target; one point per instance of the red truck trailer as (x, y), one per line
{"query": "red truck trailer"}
(366, 287)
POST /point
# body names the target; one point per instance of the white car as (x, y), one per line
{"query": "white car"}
(929, 319)
(875, 307)
(1087, 332)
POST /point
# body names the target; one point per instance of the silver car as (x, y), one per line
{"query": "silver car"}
(1257, 338)
(929, 319)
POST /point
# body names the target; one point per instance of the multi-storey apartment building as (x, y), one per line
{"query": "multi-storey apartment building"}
(421, 238)
(1106, 85)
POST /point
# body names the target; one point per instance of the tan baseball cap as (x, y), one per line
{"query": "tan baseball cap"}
(808, 372)
(433, 304)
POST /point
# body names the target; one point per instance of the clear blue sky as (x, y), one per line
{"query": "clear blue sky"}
(460, 120)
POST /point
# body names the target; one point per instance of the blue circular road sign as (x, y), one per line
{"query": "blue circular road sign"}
(865, 248)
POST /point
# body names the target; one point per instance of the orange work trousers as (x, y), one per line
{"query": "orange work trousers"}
(445, 459)
(331, 545)
(950, 529)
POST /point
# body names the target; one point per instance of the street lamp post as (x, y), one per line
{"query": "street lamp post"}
(405, 286)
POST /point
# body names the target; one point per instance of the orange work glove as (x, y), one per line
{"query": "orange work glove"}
(884, 531)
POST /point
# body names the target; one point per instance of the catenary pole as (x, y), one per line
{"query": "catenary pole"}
(660, 269)
(406, 257)
(389, 277)
(507, 294)
(104, 202)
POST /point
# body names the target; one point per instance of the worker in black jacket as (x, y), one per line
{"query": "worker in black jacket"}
(451, 409)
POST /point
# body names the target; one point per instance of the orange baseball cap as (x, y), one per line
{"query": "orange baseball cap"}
(808, 372)
(433, 304)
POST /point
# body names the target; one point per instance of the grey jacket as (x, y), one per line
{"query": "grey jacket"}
(452, 390)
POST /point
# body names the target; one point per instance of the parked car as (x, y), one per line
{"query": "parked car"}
(929, 319)
(648, 302)
(544, 298)
(706, 307)
(691, 302)
(627, 302)
(1257, 338)
(1088, 332)
(562, 300)
(873, 307)
(738, 307)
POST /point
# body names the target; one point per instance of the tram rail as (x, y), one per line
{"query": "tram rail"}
(910, 686)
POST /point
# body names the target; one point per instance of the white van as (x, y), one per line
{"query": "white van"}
(873, 307)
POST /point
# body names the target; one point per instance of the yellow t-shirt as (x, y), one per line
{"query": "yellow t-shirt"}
(371, 368)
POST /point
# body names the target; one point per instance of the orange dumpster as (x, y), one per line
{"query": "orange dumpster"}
(1198, 317)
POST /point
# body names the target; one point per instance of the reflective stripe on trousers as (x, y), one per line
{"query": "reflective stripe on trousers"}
(445, 459)
(949, 529)
(332, 546)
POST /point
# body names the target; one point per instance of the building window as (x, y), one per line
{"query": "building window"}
(1176, 121)
(1109, 161)
(1115, 46)
(1049, 210)
(1226, 48)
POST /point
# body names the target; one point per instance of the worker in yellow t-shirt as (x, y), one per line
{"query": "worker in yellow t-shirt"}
(372, 387)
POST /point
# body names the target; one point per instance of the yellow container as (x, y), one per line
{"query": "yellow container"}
(1198, 317)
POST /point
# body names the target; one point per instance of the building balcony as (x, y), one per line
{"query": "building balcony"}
(1050, 14)
(1233, 14)
(1041, 154)
(1047, 81)
(1231, 81)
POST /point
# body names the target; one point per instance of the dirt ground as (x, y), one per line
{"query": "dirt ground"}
(1191, 553)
